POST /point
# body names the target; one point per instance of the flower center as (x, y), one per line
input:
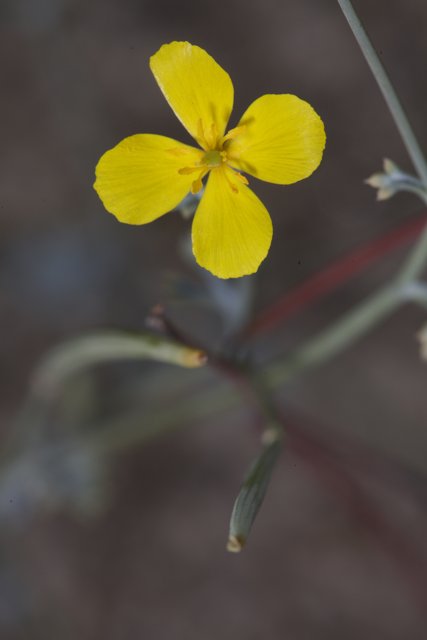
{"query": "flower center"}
(213, 158)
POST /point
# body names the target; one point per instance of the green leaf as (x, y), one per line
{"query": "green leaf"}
(76, 355)
(251, 495)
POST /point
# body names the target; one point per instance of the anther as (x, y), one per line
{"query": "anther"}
(185, 171)
(197, 185)
(241, 177)
(235, 174)
(231, 184)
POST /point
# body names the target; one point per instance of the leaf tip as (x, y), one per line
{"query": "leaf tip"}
(195, 358)
(235, 543)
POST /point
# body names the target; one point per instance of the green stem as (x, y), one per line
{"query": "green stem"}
(336, 337)
(415, 262)
(387, 90)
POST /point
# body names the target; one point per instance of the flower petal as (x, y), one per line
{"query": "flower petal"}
(232, 229)
(199, 91)
(138, 180)
(281, 141)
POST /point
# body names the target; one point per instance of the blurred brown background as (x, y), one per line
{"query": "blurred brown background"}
(74, 81)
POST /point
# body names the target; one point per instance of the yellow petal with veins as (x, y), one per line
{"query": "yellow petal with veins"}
(232, 229)
(281, 140)
(199, 91)
(139, 179)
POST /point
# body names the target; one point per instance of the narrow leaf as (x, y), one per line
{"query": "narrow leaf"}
(106, 346)
(251, 496)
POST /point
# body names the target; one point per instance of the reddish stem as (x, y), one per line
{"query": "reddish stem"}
(333, 276)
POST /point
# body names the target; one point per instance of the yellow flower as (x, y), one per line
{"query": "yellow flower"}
(280, 139)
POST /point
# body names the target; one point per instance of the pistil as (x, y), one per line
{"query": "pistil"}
(213, 158)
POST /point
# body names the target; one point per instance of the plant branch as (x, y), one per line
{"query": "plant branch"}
(415, 262)
(339, 335)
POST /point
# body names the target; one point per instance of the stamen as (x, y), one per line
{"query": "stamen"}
(231, 184)
(233, 133)
(207, 139)
(235, 174)
(185, 171)
(241, 177)
(197, 185)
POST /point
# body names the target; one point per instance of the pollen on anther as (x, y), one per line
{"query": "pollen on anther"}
(185, 171)
(196, 186)
(241, 177)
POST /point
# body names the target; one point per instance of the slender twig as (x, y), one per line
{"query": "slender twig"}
(336, 337)
(416, 261)
(387, 90)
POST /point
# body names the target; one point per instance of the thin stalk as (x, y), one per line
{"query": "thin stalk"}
(387, 90)
(415, 262)
(339, 335)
